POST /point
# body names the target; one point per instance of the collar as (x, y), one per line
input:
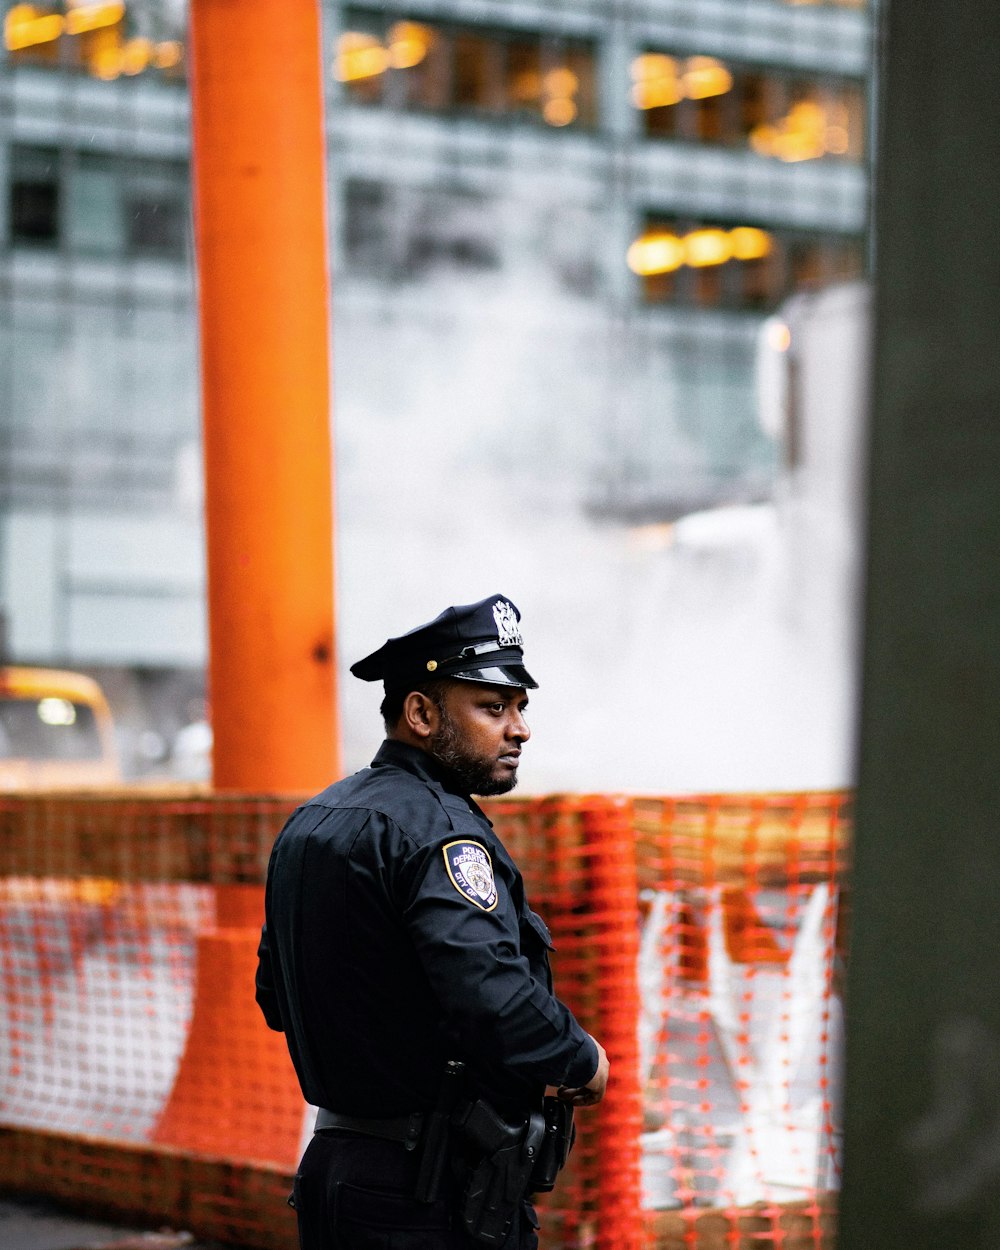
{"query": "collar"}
(395, 754)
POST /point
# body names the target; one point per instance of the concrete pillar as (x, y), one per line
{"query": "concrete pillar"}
(923, 1055)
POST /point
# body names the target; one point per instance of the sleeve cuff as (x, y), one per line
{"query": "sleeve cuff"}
(584, 1065)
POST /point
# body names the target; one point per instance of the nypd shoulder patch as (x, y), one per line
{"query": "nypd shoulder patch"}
(470, 871)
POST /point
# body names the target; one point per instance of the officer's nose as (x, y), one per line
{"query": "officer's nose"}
(518, 727)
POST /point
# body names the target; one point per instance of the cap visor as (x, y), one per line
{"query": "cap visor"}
(495, 675)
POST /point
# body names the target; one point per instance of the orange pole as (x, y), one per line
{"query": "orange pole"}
(614, 902)
(260, 230)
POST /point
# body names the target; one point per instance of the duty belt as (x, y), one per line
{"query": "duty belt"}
(404, 1128)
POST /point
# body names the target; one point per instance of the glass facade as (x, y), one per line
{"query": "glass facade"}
(773, 112)
(566, 226)
(449, 67)
(740, 266)
(93, 203)
(107, 41)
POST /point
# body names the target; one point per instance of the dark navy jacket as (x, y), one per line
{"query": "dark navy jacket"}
(388, 949)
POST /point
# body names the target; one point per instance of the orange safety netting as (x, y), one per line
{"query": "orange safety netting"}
(700, 939)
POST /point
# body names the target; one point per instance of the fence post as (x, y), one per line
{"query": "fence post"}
(614, 897)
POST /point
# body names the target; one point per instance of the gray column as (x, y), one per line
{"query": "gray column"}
(923, 1055)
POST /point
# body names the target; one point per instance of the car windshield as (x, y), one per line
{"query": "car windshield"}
(48, 728)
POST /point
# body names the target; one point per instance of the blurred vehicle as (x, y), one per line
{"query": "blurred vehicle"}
(56, 731)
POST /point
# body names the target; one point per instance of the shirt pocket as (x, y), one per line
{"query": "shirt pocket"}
(536, 942)
(537, 925)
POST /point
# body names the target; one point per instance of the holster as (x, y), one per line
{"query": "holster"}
(509, 1160)
(560, 1134)
(500, 1179)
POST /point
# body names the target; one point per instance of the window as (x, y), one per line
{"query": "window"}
(95, 38)
(404, 233)
(98, 204)
(95, 213)
(155, 228)
(785, 116)
(395, 233)
(34, 195)
(48, 729)
(737, 266)
(155, 198)
(451, 68)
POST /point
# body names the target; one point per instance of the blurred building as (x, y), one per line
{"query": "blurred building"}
(570, 219)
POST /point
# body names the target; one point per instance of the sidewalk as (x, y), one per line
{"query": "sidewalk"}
(33, 1224)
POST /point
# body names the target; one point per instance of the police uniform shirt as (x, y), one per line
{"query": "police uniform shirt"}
(397, 937)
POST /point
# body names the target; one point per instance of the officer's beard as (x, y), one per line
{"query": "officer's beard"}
(475, 773)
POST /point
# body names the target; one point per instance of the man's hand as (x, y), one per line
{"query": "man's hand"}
(591, 1093)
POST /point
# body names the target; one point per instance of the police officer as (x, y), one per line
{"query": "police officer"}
(398, 939)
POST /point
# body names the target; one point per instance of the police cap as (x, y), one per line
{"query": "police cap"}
(475, 642)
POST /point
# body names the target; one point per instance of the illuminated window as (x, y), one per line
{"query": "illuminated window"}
(739, 266)
(779, 115)
(34, 196)
(90, 35)
(405, 63)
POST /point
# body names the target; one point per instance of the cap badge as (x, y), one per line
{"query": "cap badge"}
(508, 635)
(470, 871)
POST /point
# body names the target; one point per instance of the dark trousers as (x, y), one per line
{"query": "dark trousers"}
(356, 1193)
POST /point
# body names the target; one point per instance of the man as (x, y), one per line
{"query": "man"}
(408, 973)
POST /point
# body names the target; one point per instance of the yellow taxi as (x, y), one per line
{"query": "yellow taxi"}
(56, 731)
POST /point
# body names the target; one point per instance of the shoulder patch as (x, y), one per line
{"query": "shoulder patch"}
(470, 870)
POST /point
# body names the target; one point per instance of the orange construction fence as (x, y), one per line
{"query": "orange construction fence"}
(701, 939)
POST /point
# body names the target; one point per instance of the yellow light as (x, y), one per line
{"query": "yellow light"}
(655, 81)
(779, 336)
(762, 139)
(359, 56)
(799, 136)
(561, 82)
(654, 95)
(704, 76)
(559, 112)
(794, 145)
(806, 115)
(654, 253)
(707, 247)
(135, 56)
(409, 43)
(651, 66)
(749, 243)
(168, 54)
(24, 27)
(83, 17)
(106, 64)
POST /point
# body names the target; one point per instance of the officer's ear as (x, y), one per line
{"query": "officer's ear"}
(420, 714)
